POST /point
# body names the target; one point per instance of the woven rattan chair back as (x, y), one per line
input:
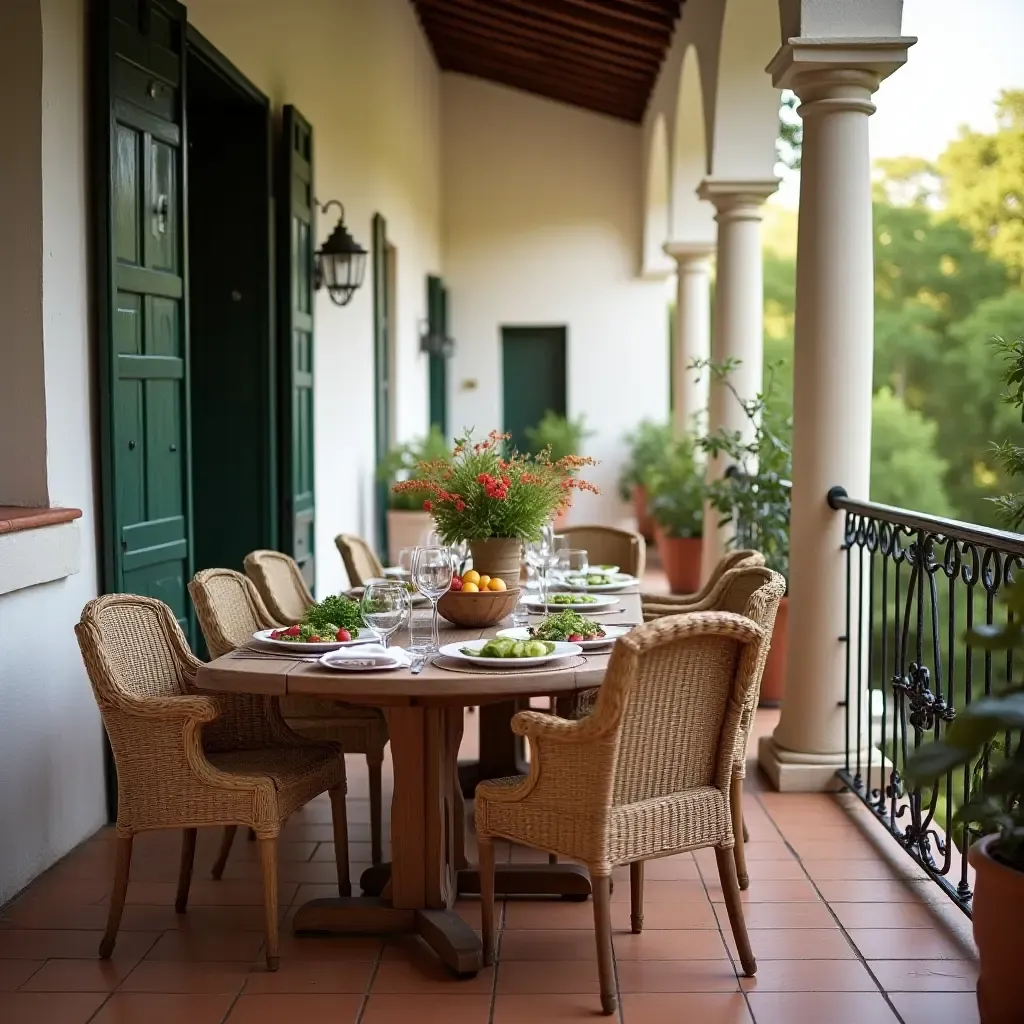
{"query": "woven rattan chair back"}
(279, 581)
(739, 559)
(229, 609)
(361, 563)
(606, 545)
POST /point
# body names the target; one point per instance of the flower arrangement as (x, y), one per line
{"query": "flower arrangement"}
(486, 490)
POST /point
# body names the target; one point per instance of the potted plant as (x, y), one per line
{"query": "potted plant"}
(561, 437)
(676, 500)
(647, 443)
(495, 498)
(407, 522)
(754, 496)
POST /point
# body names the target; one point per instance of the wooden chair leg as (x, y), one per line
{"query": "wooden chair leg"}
(603, 934)
(339, 817)
(485, 847)
(636, 897)
(727, 874)
(374, 771)
(122, 866)
(738, 828)
(268, 861)
(251, 837)
(225, 848)
(188, 856)
(552, 858)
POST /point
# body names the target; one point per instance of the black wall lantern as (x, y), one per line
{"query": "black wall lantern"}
(339, 265)
(434, 343)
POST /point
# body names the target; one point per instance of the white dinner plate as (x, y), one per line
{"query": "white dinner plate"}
(376, 660)
(397, 571)
(616, 581)
(363, 636)
(611, 634)
(534, 603)
(562, 650)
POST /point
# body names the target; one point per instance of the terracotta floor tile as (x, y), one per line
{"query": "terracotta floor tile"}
(888, 890)
(144, 1008)
(544, 914)
(356, 852)
(886, 915)
(526, 977)
(50, 1007)
(207, 892)
(204, 920)
(93, 975)
(797, 944)
(780, 916)
(659, 944)
(839, 832)
(853, 849)
(810, 976)
(676, 976)
(669, 868)
(671, 916)
(49, 915)
(833, 1007)
(14, 973)
(549, 1008)
(425, 1009)
(658, 890)
(180, 945)
(422, 971)
(528, 944)
(324, 948)
(770, 890)
(44, 944)
(937, 1007)
(338, 976)
(854, 870)
(700, 1008)
(767, 870)
(307, 1009)
(907, 944)
(925, 975)
(186, 976)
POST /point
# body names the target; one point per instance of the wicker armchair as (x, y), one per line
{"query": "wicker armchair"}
(230, 610)
(647, 774)
(186, 760)
(684, 602)
(359, 730)
(361, 563)
(606, 545)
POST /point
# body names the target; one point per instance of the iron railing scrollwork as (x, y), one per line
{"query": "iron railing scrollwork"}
(915, 584)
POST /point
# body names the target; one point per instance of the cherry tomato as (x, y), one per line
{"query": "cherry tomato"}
(456, 583)
(315, 640)
(575, 637)
(276, 634)
(291, 631)
(343, 636)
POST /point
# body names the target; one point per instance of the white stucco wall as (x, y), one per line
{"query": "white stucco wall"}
(51, 763)
(543, 224)
(362, 74)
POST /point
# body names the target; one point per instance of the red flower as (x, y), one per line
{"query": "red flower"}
(427, 506)
(460, 505)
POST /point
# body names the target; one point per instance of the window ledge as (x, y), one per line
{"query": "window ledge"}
(38, 545)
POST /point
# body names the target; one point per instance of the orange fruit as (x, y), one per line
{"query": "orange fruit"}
(483, 581)
(470, 587)
(471, 577)
(496, 584)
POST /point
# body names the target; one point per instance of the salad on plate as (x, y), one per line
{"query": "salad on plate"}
(334, 619)
(503, 647)
(568, 625)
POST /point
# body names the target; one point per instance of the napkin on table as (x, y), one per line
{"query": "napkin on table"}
(366, 656)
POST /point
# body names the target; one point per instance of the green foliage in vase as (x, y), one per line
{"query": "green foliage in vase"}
(675, 489)
(559, 435)
(648, 443)
(401, 462)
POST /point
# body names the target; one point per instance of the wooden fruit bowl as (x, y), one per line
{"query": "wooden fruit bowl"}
(485, 608)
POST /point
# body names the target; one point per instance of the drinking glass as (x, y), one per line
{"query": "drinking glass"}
(573, 562)
(432, 570)
(384, 605)
(405, 559)
(542, 555)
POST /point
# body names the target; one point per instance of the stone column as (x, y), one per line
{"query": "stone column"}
(832, 384)
(693, 331)
(738, 322)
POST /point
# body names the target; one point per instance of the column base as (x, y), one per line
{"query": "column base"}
(793, 772)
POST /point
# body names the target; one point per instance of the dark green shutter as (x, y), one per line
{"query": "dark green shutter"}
(381, 373)
(437, 316)
(138, 143)
(295, 209)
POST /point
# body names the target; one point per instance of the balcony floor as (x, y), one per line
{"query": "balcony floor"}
(843, 925)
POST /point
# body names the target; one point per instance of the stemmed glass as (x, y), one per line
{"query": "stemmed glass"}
(542, 555)
(432, 569)
(384, 605)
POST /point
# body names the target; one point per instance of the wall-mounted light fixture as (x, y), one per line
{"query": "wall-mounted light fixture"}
(434, 343)
(339, 265)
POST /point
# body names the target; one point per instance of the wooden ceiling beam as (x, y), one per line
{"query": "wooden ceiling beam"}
(654, 40)
(469, 18)
(646, 17)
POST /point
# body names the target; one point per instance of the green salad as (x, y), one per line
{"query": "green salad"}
(504, 647)
(334, 613)
(593, 579)
(571, 599)
(567, 625)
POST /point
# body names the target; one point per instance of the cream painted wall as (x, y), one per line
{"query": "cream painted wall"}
(543, 224)
(361, 72)
(51, 759)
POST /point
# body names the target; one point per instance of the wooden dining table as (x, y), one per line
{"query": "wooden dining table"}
(416, 891)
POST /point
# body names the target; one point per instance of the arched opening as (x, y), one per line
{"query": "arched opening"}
(691, 219)
(656, 203)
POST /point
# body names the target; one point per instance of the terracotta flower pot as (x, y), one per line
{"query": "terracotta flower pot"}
(644, 523)
(680, 558)
(773, 681)
(997, 913)
(497, 556)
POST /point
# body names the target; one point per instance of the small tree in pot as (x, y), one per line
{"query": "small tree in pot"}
(648, 442)
(676, 494)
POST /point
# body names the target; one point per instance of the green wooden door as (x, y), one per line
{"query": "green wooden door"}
(143, 342)
(533, 377)
(295, 337)
(381, 372)
(437, 316)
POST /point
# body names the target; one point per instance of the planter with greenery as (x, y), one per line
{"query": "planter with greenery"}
(560, 437)
(754, 496)
(495, 498)
(676, 494)
(648, 443)
(407, 522)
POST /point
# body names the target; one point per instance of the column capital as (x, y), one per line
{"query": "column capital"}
(737, 199)
(806, 65)
(689, 254)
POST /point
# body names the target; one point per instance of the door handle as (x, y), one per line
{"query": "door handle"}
(160, 210)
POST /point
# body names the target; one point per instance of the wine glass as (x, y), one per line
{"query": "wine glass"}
(405, 560)
(432, 570)
(541, 554)
(384, 605)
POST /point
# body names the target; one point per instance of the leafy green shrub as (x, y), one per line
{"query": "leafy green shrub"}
(400, 463)
(675, 489)
(561, 435)
(648, 443)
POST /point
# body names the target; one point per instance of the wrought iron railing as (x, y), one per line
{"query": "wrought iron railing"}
(914, 585)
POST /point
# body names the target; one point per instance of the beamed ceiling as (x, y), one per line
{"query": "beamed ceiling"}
(603, 55)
